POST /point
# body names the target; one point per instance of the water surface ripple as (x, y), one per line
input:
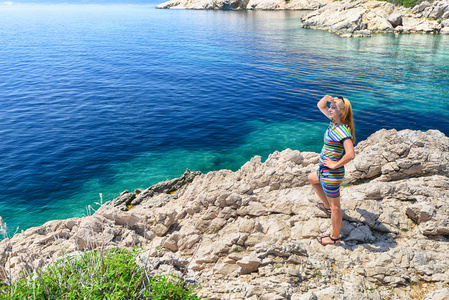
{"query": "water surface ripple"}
(102, 98)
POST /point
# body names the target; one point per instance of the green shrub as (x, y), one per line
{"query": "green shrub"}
(104, 274)
(410, 3)
(405, 3)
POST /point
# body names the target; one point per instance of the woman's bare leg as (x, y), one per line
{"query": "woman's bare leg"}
(315, 182)
(336, 219)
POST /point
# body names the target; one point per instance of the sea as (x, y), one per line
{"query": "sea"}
(101, 98)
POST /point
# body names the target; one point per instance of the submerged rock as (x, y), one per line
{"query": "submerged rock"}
(158, 194)
(251, 234)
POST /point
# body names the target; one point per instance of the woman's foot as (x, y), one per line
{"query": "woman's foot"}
(326, 240)
(323, 208)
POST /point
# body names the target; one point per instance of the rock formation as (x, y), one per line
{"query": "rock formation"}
(245, 4)
(156, 195)
(346, 18)
(250, 234)
(363, 17)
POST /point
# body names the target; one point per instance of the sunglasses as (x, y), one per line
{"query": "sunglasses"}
(341, 98)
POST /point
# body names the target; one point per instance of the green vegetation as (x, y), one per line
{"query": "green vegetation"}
(101, 274)
(405, 3)
(316, 273)
(237, 250)
(372, 289)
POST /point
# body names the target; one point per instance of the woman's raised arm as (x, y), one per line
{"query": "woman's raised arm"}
(322, 105)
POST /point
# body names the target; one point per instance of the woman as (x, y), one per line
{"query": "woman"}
(337, 151)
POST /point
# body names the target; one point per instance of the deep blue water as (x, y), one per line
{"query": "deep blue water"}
(103, 98)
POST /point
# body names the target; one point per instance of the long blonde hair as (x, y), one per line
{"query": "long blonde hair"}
(347, 118)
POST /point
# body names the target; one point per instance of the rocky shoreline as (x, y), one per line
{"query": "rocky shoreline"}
(346, 18)
(250, 234)
(245, 4)
(362, 18)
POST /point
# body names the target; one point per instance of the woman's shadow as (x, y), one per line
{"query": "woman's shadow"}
(363, 229)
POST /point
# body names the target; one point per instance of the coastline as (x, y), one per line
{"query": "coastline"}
(346, 18)
(251, 233)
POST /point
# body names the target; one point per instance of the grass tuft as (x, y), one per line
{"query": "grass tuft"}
(237, 250)
(100, 274)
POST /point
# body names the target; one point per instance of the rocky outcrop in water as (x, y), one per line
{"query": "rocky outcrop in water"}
(250, 234)
(346, 18)
(156, 195)
(363, 17)
(245, 4)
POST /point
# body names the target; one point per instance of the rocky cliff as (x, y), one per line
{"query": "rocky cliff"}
(363, 17)
(250, 234)
(346, 18)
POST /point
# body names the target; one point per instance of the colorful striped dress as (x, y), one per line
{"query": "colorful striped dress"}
(333, 149)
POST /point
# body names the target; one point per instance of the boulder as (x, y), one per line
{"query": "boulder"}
(432, 218)
(395, 19)
(437, 10)
(420, 7)
(124, 199)
(249, 264)
(438, 295)
(376, 23)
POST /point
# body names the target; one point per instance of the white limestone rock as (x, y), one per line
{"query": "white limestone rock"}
(306, 4)
(249, 264)
(437, 10)
(445, 15)
(395, 19)
(245, 4)
(438, 295)
(420, 7)
(348, 18)
(399, 155)
(252, 233)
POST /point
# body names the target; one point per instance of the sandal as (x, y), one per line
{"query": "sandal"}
(323, 208)
(333, 241)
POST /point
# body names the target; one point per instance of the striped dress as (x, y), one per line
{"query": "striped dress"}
(333, 149)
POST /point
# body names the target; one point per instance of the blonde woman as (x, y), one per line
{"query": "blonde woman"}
(337, 151)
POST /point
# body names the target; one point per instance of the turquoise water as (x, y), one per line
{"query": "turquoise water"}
(103, 98)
